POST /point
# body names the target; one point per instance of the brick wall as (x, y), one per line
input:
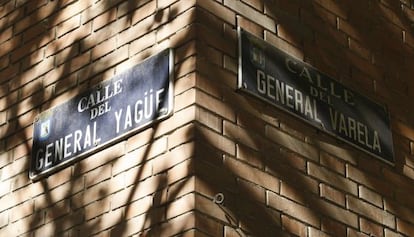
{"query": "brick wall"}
(278, 175)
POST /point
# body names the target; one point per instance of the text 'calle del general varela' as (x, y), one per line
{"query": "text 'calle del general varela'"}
(303, 91)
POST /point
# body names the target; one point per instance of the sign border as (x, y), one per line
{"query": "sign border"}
(35, 177)
(240, 87)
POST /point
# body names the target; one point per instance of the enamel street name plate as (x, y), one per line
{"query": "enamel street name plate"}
(96, 118)
(303, 91)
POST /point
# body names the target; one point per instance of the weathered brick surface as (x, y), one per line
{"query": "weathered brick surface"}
(278, 175)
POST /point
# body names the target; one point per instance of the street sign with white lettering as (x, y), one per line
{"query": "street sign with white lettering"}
(112, 110)
(300, 89)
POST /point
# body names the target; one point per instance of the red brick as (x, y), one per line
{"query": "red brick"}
(210, 225)
(208, 184)
(294, 226)
(129, 227)
(9, 72)
(97, 208)
(100, 158)
(178, 119)
(288, 167)
(294, 160)
(68, 39)
(334, 7)
(317, 233)
(224, 43)
(223, 84)
(6, 8)
(230, 64)
(408, 171)
(142, 43)
(293, 192)
(327, 144)
(32, 59)
(359, 49)
(33, 18)
(212, 55)
(102, 222)
(205, 205)
(150, 186)
(69, 9)
(4, 219)
(137, 31)
(291, 143)
(184, 51)
(97, 9)
(67, 26)
(103, 48)
(216, 140)
(332, 194)
(356, 233)
(335, 212)
(6, 34)
(219, 10)
(142, 12)
(247, 11)
(210, 21)
(258, 5)
(291, 208)
(104, 19)
(138, 207)
(21, 227)
(96, 192)
(369, 181)
(241, 135)
(21, 211)
(371, 228)
(333, 227)
(109, 60)
(293, 130)
(332, 163)
(399, 181)
(365, 209)
(405, 227)
(104, 33)
(14, 168)
(56, 211)
(174, 157)
(138, 173)
(404, 197)
(184, 84)
(390, 233)
(363, 65)
(283, 45)
(184, 99)
(249, 156)
(369, 165)
(154, 147)
(181, 205)
(181, 188)
(6, 186)
(256, 192)
(97, 175)
(40, 69)
(175, 226)
(185, 67)
(370, 196)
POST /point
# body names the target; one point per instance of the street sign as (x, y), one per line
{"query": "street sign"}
(300, 89)
(112, 110)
